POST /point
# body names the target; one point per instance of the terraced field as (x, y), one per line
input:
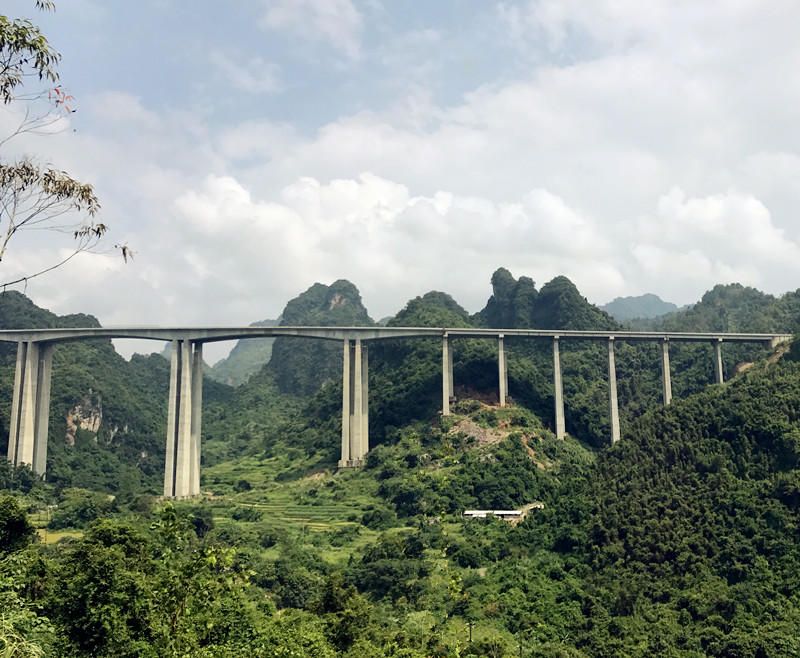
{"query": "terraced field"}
(321, 516)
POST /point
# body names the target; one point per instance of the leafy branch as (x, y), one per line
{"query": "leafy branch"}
(35, 197)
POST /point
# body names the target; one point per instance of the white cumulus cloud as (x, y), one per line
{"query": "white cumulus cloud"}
(335, 22)
(250, 74)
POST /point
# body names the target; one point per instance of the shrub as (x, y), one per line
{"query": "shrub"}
(78, 508)
(379, 518)
(16, 531)
(248, 514)
(466, 406)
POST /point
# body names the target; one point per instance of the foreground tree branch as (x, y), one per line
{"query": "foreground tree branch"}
(32, 196)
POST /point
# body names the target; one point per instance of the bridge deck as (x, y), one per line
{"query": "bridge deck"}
(213, 334)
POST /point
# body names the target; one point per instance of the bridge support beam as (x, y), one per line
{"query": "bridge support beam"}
(447, 375)
(502, 367)
(355, 404)
(718, 360)
(30, 406)
(182, 467)
(558, 390)
(612, 393)
(666, 380)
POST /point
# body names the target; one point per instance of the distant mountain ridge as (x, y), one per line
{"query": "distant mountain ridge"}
(737, 308)
(516, 304)
(639, 306)
(246, 358)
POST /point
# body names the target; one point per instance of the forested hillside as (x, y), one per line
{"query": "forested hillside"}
(300, 365)
(107, 414)
(733, 308)
(680, 540)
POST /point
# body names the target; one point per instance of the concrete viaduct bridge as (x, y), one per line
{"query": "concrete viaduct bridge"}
(31, 399)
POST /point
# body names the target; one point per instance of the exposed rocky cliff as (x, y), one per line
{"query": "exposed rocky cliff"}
(86, 416)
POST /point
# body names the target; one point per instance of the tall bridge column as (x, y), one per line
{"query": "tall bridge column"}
(718, 359)
(355, 404)
(502, 367)
(558, 390)
(364, 402)
(197, 416)
(612, 393)
(30, 406)
(666, 380)
(447, 374)
(182, 467)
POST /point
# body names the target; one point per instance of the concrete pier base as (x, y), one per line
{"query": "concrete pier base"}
(182, 466)
(718, 360)
(355, 404)
(30, 406)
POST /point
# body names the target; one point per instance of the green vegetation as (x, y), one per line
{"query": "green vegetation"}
(32, 195)
(678, 541)
(300, 365)
(558, 305)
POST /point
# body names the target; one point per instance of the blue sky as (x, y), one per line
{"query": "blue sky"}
(247, 150)
(256, 59)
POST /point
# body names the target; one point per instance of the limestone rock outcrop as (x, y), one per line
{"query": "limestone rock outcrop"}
(87, 416)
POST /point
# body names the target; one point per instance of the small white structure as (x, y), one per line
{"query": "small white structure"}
(512, 515)
(507, 514)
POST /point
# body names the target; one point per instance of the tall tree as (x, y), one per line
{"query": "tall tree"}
(34, 195)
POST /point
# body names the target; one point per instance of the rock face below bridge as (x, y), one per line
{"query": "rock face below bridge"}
(86, 416)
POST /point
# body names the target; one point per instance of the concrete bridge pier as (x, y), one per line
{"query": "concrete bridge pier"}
(182, 467)
(666, 380)
(772, 343)
(612, 393)
(558, 390)
(502, 367)
(718, 359)
(355, 403)
(30, 406)
(447, 374)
